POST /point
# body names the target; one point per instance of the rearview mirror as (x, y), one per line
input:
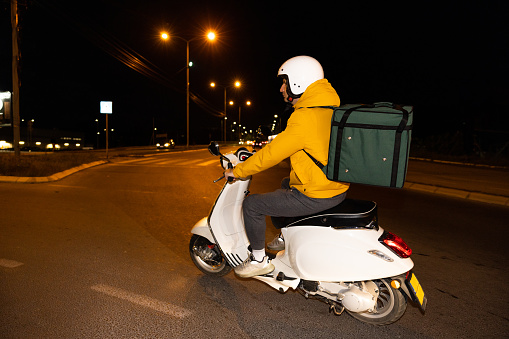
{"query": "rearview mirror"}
(214, 148)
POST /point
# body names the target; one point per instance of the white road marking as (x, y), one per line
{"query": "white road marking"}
(210, 162)
(173, 162)
(9, 263)
(191, 162)
(142, 300)
(131, 160)
(167, 162)
(149, 161)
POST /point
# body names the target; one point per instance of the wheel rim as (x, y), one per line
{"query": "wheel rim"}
(207, 255)
(384, 302)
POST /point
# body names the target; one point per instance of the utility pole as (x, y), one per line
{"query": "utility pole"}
(153, 140)
(107, 137)
(187, 94)
(15, 78)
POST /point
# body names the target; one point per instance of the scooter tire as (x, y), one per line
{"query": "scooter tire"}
(207, 257)
(391, 305)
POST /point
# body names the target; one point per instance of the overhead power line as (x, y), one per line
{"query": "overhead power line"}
(119, 50)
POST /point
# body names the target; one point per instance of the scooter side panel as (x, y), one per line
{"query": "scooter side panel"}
(226, 222)
(328, 254)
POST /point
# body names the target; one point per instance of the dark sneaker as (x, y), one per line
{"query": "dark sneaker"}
(250, 267)
(278, 244)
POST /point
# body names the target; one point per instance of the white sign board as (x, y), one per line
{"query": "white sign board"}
(106, 107)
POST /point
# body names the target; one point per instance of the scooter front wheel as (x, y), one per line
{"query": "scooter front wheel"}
(390, 306)
(207, 257)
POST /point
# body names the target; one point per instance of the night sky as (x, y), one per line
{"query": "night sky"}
(449, 59)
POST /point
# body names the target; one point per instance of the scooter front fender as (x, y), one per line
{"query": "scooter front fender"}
(201, 228)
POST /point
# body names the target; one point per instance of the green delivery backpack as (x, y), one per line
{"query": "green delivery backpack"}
(369, 144)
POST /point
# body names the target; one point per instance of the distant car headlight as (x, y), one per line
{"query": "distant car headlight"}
(158, 144)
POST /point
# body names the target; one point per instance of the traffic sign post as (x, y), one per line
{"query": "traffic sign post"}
(106, 108)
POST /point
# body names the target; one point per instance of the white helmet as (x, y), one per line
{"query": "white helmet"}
(300, 72)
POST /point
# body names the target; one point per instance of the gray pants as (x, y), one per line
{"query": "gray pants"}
(284, 202)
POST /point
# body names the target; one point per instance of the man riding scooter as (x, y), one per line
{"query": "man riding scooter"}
(307, 190)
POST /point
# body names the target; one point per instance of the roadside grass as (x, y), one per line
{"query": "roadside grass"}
(43, 164)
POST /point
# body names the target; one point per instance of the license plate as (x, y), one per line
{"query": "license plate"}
(416, 291)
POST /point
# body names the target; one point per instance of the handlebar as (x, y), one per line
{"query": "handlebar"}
(219, 179)
(230, 179)
(242, 154)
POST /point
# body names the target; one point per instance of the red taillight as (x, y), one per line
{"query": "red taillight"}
(396, 244)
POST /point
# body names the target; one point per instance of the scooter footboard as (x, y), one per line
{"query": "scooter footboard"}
(283, 277)
(280, 285)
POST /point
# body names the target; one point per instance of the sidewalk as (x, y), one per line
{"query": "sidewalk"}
(480, 183)
(54, 177)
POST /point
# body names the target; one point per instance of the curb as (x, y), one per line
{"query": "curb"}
(457, 193)
(54, 177)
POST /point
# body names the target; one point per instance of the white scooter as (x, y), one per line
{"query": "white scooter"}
(340, 256)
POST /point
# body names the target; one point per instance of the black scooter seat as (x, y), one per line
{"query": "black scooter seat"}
(348, 214)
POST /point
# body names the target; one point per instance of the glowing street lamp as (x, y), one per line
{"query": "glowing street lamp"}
(211, 36)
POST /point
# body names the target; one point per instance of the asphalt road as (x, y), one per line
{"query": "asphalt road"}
(103, 253)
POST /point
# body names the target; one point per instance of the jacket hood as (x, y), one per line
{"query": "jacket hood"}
(319, 93)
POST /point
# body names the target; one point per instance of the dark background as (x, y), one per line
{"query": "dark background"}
(449, 60)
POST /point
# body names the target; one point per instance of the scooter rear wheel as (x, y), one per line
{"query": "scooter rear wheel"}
(390, 305)
(207, 257)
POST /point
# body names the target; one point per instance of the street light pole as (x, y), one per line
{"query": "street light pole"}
(15, 78)
(240, 106)
(224, 115)
(248, 103)
(187, 93)
(236, 84)
(97, 132)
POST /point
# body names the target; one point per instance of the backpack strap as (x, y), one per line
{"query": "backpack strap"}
(331, 107)
(318, 163)
(341, 125)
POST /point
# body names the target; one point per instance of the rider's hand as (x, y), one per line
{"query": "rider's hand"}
(229, 175)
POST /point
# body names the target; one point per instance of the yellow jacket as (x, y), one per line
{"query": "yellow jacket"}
(309, 129)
